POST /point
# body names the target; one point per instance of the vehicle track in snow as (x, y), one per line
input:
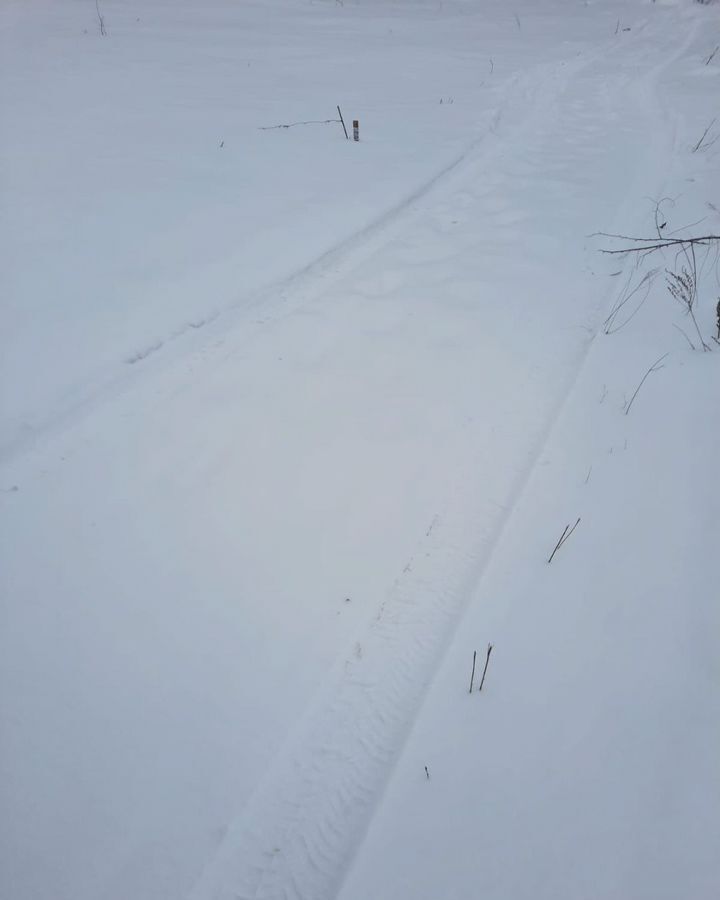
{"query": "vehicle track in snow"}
(297, 836)
(199, 339)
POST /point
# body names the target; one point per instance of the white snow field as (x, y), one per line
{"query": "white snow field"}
(291, 425)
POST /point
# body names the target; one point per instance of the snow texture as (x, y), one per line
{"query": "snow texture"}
(292, 424)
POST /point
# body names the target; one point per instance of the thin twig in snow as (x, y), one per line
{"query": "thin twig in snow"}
(685, 227)
(343, 123)
(658, 214)
(692, 346)
(645, 244)
(563, 537)
(626, 295)
(655, 367)
(487, 660)
(295, 124)
(682, 286)
(704, 135)
(101, 19)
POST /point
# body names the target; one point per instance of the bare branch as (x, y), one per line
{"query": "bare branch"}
(645, 244)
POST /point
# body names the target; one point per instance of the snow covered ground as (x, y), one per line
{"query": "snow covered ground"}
(291, 425)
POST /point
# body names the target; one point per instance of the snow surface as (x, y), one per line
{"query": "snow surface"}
(291, 425)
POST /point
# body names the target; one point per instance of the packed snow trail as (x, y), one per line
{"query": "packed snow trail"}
(585, 127)
(588, 767)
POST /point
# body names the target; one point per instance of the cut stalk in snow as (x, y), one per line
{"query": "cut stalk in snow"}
(653, 368)
(343, 124)
(563, 537)
(487, 660)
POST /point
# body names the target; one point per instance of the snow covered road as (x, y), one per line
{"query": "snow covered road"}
(530, 194)
(231, 571)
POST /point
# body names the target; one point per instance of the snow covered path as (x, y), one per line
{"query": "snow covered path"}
(232, 572)
(497, 220)
(588, 766)
(145, 186)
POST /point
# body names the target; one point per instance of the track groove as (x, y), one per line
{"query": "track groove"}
(319, 796)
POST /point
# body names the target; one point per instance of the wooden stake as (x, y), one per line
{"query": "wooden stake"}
(487, 660)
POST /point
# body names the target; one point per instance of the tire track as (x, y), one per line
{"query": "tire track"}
(274, 301)
(298, 833)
